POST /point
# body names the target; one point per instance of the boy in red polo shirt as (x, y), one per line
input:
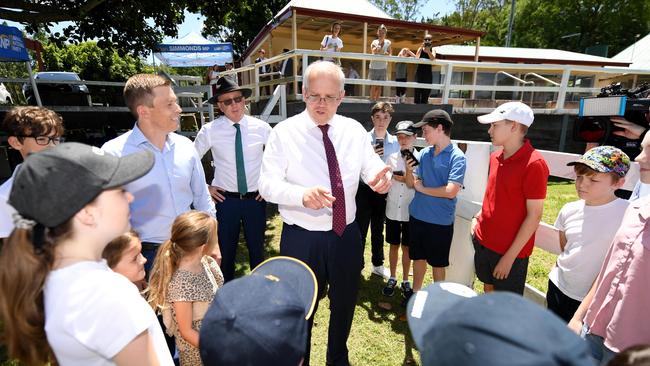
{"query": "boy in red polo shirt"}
(503, 232)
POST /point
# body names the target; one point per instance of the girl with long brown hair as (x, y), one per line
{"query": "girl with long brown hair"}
(184, 280)
(59, 301)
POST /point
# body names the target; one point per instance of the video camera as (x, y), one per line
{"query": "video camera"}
(593, 123)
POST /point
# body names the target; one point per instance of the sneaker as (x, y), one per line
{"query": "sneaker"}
(407, 291)
(389, 290)
(381, 271)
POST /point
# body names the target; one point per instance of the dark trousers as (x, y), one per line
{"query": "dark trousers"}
(421, 96)
(559, 303)
(231, 214)
(337, 262)
(371, 211)
(400, 90)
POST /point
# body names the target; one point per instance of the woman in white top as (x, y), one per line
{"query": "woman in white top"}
(58, 297)
(332, 42)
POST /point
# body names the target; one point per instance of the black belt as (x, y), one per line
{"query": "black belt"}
(241, 196)
(150, 246)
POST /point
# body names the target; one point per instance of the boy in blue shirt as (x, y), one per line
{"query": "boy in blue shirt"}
(437, 180)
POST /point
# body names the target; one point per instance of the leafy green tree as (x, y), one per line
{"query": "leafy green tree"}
(242, 23)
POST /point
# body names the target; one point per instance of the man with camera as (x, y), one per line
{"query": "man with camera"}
(423, 73)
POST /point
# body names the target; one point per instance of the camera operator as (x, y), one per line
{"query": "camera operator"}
(631, 132)
(423, 73)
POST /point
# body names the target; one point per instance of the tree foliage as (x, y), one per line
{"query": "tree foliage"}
(241, 24)
(567, 25)
(401, 9)
(92, 62)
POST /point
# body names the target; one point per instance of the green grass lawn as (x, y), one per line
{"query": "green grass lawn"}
(381, 337)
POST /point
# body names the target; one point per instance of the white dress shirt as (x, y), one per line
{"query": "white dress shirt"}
(175, 183)
(400, 195)
(6, 210)
(294, 160)
(219, 137)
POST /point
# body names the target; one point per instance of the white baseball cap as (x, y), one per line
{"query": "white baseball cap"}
(512, 111)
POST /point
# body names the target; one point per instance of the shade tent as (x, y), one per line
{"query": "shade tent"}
(194, 50)
(12, 49)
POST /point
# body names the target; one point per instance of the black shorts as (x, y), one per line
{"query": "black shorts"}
(559, 303)
(397, 232)
(485, 260)
(430, 242)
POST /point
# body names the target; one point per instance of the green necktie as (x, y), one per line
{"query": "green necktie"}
(239, 159)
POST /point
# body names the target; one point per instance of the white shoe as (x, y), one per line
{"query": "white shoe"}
(381, 271)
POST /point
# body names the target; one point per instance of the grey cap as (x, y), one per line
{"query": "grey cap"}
(51, 186)
(405, 127)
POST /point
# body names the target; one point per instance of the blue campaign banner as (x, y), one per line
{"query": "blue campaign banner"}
(12, 46)
(207, 48)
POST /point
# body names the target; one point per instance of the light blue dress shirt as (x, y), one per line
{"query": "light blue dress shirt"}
(391, 144)
(175, 184)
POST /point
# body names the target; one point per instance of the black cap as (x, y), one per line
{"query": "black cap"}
(227, 85)
(435, 116)
(261, 319)
(51, 186)
(493, 329)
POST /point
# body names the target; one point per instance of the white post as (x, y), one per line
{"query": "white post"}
(564, 83)
(445, 89)
(33, 82)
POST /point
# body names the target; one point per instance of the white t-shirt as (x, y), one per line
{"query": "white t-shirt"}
(92, 313)
(331, 45)
(589, 232)
(382, 52)
(6, 210)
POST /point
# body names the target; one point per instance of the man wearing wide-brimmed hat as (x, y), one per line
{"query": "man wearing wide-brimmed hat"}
(237, 143)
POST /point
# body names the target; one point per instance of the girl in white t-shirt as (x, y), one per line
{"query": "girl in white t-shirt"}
(184, 280)
(332, 42)
(587, 227)
(58, 298)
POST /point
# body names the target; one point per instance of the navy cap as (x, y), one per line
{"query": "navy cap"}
(493, 329)
(261, 319)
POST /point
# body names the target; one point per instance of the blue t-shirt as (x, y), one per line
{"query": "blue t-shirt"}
(437, 171)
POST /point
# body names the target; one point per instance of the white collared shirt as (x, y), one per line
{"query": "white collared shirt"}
(400, 195)
(219, 137)
(6, 210)
(294, 160)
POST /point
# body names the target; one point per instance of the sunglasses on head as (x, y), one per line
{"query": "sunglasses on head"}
(229, 102)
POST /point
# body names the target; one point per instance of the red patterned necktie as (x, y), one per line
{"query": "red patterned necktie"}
(338, 209)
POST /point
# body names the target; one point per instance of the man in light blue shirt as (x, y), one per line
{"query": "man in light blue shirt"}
(176, 183)
(371, 206)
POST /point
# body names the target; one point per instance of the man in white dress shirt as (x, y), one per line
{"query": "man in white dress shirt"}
(237, 143)
(311, 169)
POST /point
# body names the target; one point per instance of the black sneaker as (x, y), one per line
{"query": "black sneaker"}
(389, 290)
(407, 292)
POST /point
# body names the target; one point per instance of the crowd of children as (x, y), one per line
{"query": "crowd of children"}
(73, 287)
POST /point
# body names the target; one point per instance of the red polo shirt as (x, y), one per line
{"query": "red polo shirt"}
(511, 182)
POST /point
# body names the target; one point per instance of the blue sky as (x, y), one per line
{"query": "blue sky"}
(194, 22)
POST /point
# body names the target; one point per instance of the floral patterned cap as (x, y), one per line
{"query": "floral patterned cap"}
(605, 159)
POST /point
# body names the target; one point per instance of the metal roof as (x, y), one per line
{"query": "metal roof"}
(638, 54)
(527, 55)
